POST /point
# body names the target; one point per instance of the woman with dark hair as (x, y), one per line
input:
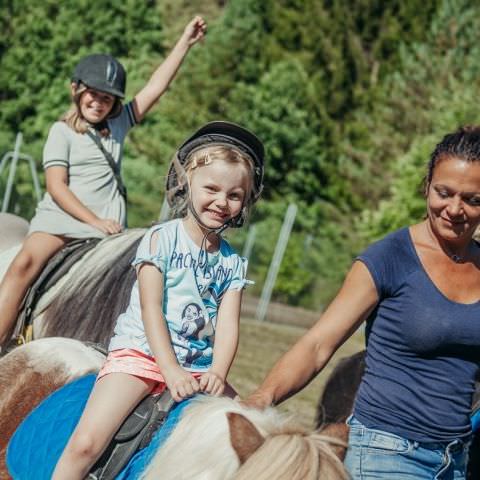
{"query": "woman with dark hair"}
(418, 289)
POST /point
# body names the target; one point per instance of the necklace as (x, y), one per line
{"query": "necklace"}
(455, 257)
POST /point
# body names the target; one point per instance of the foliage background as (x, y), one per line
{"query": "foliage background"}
(349, 97)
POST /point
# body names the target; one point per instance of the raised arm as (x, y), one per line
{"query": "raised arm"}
(165, 73)
(296, 368)
(226, 343)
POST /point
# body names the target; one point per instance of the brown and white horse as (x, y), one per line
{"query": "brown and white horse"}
(86, 301)
(216, 438)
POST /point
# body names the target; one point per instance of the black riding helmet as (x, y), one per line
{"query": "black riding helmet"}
(101, 72)
(217, 133)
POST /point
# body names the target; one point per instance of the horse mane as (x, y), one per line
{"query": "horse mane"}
(304, 455)
(86, 302)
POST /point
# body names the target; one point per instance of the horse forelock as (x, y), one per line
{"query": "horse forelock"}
(294, 456)
(203, 432)
(89, 298)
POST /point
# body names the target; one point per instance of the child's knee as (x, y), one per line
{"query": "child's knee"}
(26, 264)
(83, 446)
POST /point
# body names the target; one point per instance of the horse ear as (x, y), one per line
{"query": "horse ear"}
(244, 437)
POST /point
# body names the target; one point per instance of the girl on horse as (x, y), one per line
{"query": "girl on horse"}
(82, 157)
(180, 329)
(418, 289)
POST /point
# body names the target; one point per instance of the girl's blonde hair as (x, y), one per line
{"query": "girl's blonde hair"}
(73, 116)
(180, 195)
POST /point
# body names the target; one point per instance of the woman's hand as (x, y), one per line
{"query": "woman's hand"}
(107, 225)
(181, 383)
(212, 383)
(194, 31)
(257, 400)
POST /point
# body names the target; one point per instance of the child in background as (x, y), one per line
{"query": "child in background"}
(180, 330)
(85, 193)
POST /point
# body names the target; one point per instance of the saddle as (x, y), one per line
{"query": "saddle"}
(38, 442)
(56, 267)
(134, 434)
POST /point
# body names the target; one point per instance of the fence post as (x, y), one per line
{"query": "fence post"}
(164, 211)
(11, 173)
(15, 156)
(247, 248)
(276, 261)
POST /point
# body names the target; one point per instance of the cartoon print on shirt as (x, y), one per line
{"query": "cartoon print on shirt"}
(193, 321)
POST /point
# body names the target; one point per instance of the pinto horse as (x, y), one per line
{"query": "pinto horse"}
(216, 438)
(336, 404)
(85, 302)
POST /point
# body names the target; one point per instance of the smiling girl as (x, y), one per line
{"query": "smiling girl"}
(82, 159)
(186, 272)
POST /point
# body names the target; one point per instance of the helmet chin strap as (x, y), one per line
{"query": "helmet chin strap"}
(209, 230)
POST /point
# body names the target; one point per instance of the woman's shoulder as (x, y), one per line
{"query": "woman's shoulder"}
(395, 246)
(393, 239)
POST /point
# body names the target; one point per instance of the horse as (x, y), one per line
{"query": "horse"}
(216, 438)
(84, 302)
(336, 404)
(13, 230)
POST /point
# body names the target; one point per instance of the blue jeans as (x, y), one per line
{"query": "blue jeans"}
(374, 454)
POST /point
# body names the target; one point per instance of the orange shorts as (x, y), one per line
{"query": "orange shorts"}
(134, 362)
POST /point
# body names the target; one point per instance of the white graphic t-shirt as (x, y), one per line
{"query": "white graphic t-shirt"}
(193, 290)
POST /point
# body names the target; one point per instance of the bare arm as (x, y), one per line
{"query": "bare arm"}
(165, 73)
(57, 186)
(226, 343)
(180, 383)
(296, 368)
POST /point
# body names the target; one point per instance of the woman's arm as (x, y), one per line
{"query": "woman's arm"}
(57, 186)
(165, 73)
(180, 383)
(296, 368)
(226, 343)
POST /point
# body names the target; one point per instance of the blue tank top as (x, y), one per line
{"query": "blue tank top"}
(423, 350)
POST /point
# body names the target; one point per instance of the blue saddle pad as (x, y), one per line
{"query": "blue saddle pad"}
(476, 421)
(38, 442)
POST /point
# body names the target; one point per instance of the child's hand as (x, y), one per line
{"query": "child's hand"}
(194, 31)
(181, 384)
(107, 225)
(212, 383)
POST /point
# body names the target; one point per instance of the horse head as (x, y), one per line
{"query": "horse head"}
(227, 440)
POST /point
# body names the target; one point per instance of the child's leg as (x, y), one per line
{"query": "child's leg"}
(112, 399)
(26, 266)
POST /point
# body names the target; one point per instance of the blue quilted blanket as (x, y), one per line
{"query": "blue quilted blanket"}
(476, 421)
(38, 442)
